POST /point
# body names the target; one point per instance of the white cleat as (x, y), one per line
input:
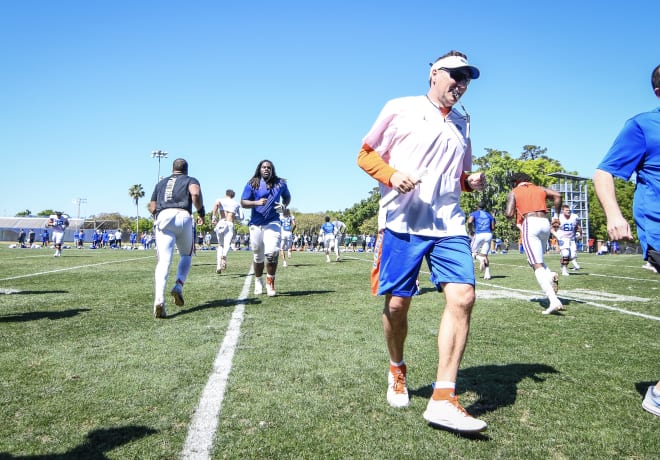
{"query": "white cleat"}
(553, 308)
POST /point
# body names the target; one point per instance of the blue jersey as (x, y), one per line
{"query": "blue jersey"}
(265, 214)
(328, 227)
(637, 150)
(482, 221)
(287, 223)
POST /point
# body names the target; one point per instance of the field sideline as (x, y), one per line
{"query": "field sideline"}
(87, 372)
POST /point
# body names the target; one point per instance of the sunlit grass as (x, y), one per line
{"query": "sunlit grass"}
(87, 371)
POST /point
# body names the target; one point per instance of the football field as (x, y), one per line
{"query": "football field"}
(87, 372)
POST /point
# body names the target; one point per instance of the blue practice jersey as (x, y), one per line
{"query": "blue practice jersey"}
(482, 221)
(328, 227)
(262, 215)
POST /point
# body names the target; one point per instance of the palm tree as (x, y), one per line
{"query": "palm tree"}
(136, 192)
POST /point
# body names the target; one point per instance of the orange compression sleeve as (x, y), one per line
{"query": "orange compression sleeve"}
(369, 160)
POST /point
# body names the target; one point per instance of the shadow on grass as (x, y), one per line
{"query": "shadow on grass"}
(220, 303)
(545, 303)
(302, 293)
(642, 387)
(225, 303)
(96, 444)
(37, 315)
(497, 386)
(20, 292)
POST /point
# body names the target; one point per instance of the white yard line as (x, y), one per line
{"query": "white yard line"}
(199, 441)
(28, 275)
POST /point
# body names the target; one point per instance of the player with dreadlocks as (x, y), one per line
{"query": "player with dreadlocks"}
(266, 194)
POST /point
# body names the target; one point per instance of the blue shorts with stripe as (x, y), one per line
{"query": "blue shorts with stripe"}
(400, 258)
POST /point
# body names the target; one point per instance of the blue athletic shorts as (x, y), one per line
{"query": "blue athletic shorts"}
(449, 259)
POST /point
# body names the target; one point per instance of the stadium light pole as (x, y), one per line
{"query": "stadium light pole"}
(78, 202)
(158, 154)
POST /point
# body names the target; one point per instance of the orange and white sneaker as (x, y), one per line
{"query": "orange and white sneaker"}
(397, 390)
(448, 413)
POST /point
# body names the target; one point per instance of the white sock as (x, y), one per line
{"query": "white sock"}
(444, 384)
(543, 278)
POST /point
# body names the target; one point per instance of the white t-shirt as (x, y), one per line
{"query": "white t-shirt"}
(230, 205)
(412, 136)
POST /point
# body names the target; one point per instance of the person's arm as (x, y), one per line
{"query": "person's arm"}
(217, 211)
(372, 163)
(510, 211)
(473, 182)
(555, 196)
(196, 196)
(248, 203)
(617, 226)
(470, 224)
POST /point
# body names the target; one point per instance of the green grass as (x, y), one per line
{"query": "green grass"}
(87, 372)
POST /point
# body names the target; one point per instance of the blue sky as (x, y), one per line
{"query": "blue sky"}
(89, 89)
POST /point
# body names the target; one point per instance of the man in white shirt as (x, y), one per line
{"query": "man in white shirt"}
(225, 211)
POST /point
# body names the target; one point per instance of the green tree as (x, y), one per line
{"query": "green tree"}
(498, 166)
(25, 213)
(533, 152)
(625, 191)
(136, 192)
(361, 212)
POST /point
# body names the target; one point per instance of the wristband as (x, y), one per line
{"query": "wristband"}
(201, 212)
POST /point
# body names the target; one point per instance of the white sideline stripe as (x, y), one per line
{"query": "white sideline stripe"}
(71, 268)
(204, 423)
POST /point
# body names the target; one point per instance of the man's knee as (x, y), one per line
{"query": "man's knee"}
(272, 257)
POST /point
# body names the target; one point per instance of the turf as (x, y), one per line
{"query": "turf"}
(87, 372)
